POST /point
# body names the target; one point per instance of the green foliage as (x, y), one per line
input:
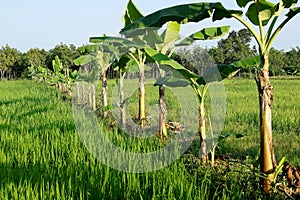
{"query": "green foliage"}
(63, 73)
(61, 77)
(173, 106)
(9, 61)
(39, 73)
(284, 63)
(85, 59)
(166, 62)
(33, 57)
(261, 12)
(235, 47)
(227, 71)
(14, 64)
(277, 61)
(182, 14)
(195, 59)
(291, 70)
(65, 53)
(205, 34)
(164, 42)
(209, 76)
(131, 13)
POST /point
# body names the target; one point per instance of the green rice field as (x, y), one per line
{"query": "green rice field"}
(42, 157)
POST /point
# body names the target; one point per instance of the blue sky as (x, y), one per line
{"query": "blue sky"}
(34, 23)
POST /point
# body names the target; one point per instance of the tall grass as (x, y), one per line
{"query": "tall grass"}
(42, 157)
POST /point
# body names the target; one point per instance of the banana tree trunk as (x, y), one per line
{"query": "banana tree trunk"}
(104, 94)
(69, 88)
(267, 156)
(162, 113)
(82, 93)
(94, 97)
(77, 93)
(91, 96)
(203, 154)
(63, 87)
(122, 99)
(90, 103)
(142, 114)
(2, 74)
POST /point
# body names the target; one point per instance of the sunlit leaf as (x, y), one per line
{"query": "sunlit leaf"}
(248, 62)
(243, 3)
(73, 74)
(132, 13)
(205, 34)
(115, 41)
(182, 14)
(171, 33)
(220, 12)
(261, 10)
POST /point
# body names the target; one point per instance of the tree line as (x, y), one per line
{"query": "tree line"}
(15, 64)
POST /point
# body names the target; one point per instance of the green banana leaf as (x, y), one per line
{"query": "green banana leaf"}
(182, 14)
(82, 60)
(132, 13)
(169, 64)
(222, 71)
(171, 81)
(205, 34)
(261, 10)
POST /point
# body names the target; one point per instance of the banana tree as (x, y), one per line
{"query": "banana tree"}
(103, 57)
(161, 43)
(192, 79)
(126, 55)
(134, 50)
(165, 44)
(264, 15)
(123, 65)
(63, 77)
(39, 73)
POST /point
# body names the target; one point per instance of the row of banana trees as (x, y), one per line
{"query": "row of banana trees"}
(141, 42)
(61, 77)
(131, 52)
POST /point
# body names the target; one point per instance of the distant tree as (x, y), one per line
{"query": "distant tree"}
(33, 58)
(183, 60)
(277, 61)
(235, 47)
(9, 61)
(65, 53)
(196, 59)
(292, 61)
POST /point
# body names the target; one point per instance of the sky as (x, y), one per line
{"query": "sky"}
(28, 24)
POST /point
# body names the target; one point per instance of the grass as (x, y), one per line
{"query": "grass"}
(243, 119)
(42, 157)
